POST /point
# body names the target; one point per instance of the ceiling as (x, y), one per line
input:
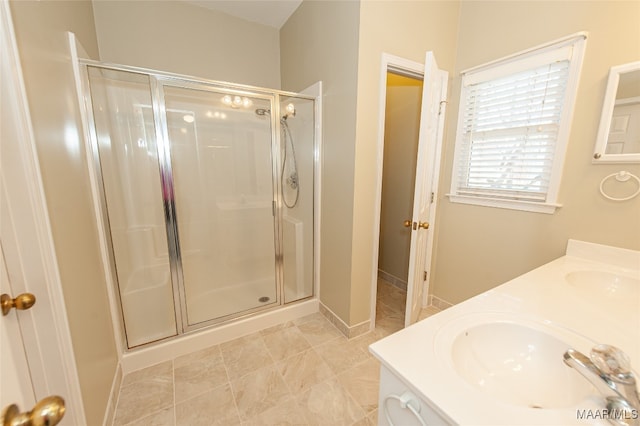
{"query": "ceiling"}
(273, 13)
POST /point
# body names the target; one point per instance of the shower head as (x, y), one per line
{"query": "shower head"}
(290, 110)
(262, 111)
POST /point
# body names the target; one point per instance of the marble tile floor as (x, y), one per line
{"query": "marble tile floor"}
(302, 372)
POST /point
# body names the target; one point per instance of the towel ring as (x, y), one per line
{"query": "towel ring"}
(621, 176)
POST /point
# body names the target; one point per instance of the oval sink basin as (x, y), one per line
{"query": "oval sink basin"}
(616, 291)
(518, 365)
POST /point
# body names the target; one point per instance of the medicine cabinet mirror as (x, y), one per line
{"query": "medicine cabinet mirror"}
(618, 139)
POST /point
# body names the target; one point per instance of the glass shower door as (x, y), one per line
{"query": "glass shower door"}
(125, 146)
(220, 146)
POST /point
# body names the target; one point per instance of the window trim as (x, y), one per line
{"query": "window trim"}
(509, 65)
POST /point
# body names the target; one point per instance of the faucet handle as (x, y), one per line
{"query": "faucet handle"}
(612, 361)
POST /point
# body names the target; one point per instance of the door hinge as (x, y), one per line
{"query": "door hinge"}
(432, 195)
(424, 276)
(440, 106)
(273, 208)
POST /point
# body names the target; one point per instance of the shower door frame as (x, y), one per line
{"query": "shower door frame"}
(171, 216)
(158, 80)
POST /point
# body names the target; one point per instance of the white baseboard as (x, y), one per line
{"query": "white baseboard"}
(438, 302)
(348, 331)
(392, 279)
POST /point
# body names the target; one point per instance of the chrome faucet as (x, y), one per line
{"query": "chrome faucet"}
(608, 369)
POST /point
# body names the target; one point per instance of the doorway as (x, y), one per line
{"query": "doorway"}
(411, 125)
(401, 133)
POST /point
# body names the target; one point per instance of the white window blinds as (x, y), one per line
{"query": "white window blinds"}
(510, 129)
(510, 119)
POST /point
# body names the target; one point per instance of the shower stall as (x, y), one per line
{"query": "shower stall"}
(206, 196)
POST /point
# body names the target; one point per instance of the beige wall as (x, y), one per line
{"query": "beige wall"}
(40, 30)
(320, 42)
(401, 130)
(178, 37)
(495, 245)
(402, 28)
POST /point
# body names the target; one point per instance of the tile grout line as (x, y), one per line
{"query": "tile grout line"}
(135, 384)
(233, 396)
(175, 411)
(291, 393)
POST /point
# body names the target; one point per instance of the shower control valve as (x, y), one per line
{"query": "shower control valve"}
(292, 180)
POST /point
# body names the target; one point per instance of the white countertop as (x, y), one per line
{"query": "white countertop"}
(581, 315)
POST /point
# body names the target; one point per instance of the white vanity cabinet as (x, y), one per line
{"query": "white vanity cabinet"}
(392, 388)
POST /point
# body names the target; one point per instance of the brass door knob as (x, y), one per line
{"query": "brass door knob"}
(407, 223)
(423, 225)
(47, 412)
(22, 302)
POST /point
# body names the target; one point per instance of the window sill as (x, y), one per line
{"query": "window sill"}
(529, 206)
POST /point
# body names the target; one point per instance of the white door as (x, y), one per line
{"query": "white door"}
(427, 170)
(17, 391)
(36, 354)
(16, 385)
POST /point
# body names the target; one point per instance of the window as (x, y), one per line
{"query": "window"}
(513, 126)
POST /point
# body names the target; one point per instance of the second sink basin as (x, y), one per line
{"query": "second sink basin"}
(518, 365)
(613, 291)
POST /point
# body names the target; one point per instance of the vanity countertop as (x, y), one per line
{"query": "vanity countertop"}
(570, 296)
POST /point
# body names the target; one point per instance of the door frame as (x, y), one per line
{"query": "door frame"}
(46, 333)
(395, 63)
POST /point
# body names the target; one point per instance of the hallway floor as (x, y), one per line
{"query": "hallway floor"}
(302, 372)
